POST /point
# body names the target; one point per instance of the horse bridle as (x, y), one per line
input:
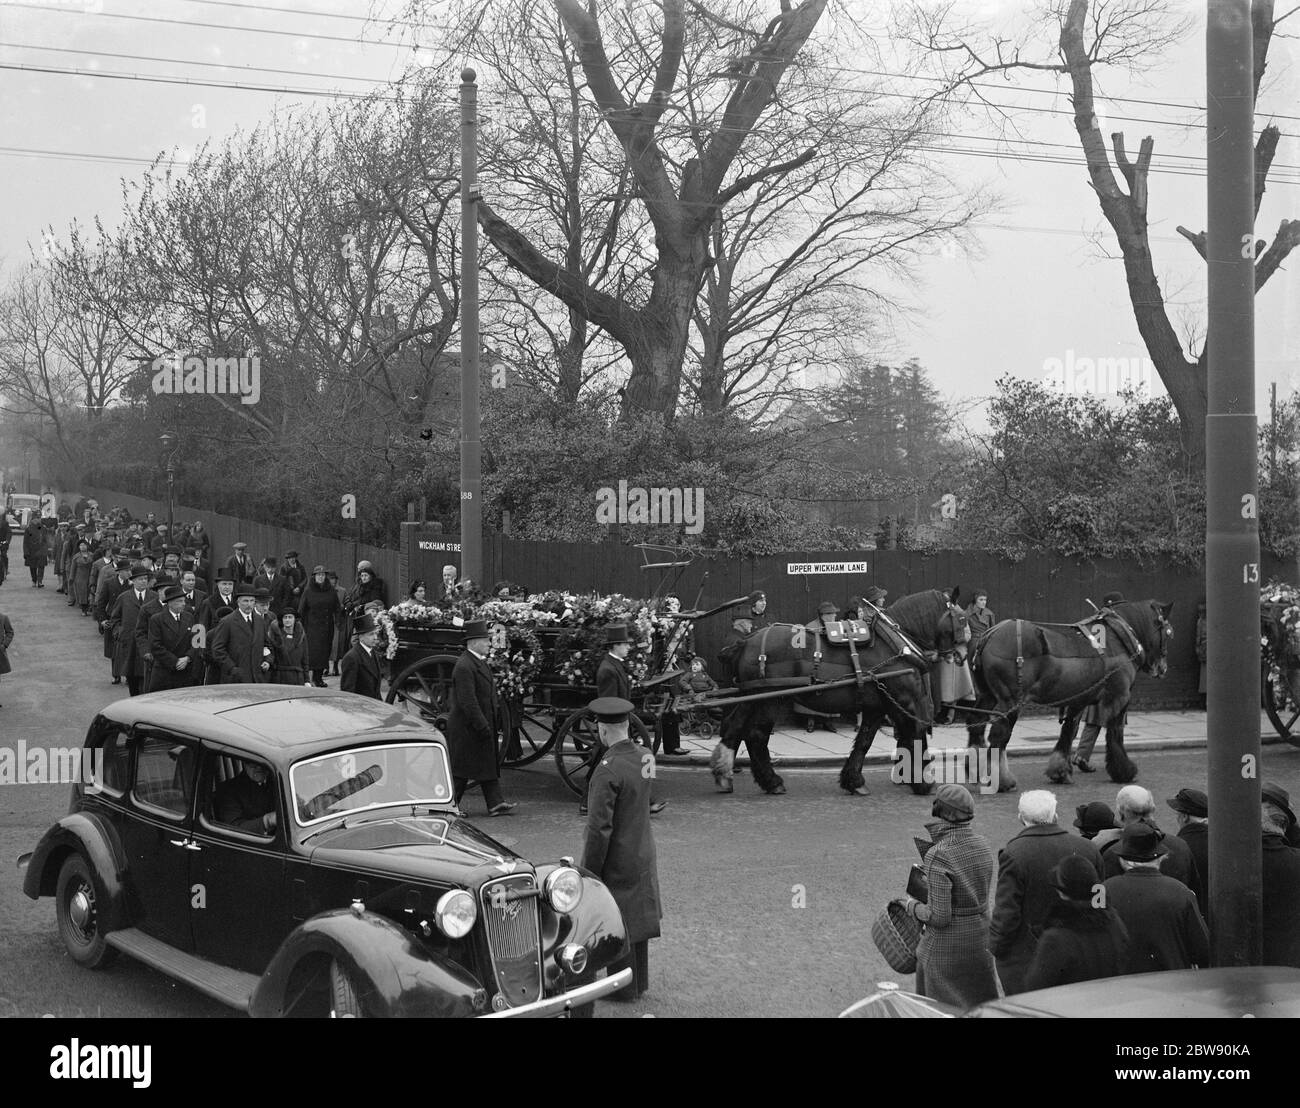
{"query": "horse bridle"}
(959, 649)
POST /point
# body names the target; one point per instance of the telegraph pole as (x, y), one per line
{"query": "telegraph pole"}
(1232, 491)
(471, 460)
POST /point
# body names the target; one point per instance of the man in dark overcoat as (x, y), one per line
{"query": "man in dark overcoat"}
(128, 661)
(287, 588)
(6, 637)
(612, 679)
(211, 612)
(111, 586)
(1134, 804)
(471, 725)
(359, 669)
(1165, 928)
(151, 608)
(1026, 893)
(1280, 880)
(1193, 808)
(239, 643)
(619, 847)
(240, 565)
(171, 644)
(35, 552)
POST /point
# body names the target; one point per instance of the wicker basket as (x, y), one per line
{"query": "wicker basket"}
(896, 935)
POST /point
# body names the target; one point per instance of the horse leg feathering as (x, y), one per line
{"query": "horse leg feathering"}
(1118, 764)
(722, 763)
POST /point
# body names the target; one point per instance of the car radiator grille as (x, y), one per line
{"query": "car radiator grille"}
(514, 940)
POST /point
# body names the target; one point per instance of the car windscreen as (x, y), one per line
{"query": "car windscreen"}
(360, 778)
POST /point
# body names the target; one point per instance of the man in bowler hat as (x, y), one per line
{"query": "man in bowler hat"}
(171, 643)
(619, 847)
(471, 726)
(239, 642)
(359, 667)
(1193, 808)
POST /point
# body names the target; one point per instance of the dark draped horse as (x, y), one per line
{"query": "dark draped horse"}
(889, 682)
(1069, 666)
(936, 623)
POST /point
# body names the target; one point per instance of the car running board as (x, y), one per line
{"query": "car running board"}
(229, 986)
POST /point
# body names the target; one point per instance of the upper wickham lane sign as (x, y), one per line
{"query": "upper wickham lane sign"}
(799, 568)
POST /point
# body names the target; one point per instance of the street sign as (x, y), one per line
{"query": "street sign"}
(800, 568)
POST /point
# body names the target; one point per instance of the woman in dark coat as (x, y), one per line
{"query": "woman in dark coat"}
(1080, 942)
(290, 647)
(79, 576)
(318, 608)
(35, 555)
(953, 962)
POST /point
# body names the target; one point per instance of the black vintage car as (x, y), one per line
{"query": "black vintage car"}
(296, 851)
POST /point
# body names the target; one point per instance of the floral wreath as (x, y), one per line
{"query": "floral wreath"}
(1280, 637)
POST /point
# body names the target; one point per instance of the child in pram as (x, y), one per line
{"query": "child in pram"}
(697, 683)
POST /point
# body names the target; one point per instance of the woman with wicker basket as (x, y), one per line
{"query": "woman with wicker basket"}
(953, 962)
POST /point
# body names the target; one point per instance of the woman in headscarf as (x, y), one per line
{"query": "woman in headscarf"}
(953, 961)
(318, 609)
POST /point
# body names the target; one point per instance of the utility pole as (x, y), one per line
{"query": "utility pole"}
(1232, 491)
(471, 461)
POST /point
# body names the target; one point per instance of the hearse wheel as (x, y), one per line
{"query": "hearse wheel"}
(578, 743)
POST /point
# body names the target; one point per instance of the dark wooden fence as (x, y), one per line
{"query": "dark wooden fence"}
(262, 538)
(1044, 588)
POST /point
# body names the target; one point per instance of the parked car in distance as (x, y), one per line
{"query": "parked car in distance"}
(295, 851)
(1227, 992)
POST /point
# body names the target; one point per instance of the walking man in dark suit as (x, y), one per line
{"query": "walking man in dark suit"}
(127, 659)
(619, 847)
(1193, 808)
(360, 668)
(239, 643)
(471, 726)
(171, 643)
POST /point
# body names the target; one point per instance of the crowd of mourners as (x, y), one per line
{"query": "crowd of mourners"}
(174, 612)
(1121, 896)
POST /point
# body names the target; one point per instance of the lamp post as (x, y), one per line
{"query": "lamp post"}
(170, 444)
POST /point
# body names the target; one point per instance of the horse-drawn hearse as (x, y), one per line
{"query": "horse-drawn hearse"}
(1279, 620)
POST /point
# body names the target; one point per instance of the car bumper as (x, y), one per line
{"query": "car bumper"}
(564, 1002)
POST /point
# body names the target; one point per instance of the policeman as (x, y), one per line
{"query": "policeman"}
(619, 846)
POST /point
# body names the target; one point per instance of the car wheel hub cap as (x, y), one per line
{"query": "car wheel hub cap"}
(81, 910)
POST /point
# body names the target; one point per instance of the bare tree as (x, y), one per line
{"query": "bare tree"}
(1125, 33)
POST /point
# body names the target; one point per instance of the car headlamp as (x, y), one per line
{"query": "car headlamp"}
(456, 913)
(563, 889)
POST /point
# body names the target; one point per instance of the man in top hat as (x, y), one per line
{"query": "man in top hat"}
(612, 680)
(471, 726)
(1193, 808)
(239, 643)
(360, 672)
(286, 592)
(128, 660)
(240, 565)
(171, 643)
(619, 846)
(1166, 931)
(1092, 714)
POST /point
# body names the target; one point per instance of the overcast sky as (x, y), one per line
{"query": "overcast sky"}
(1040, 286)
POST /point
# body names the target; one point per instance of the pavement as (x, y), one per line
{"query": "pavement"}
(1033, 735)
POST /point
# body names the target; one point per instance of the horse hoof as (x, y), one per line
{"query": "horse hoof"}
(724, 785)
(861, 790)
(775, 790)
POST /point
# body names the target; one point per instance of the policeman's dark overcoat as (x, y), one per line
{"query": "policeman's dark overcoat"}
(619, 847)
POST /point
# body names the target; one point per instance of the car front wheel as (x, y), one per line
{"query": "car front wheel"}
(344, 1003)
(78, 914)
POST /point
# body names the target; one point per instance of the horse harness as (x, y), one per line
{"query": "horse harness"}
(850, 633)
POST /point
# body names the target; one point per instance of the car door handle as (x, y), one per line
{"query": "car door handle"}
(188, 844)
